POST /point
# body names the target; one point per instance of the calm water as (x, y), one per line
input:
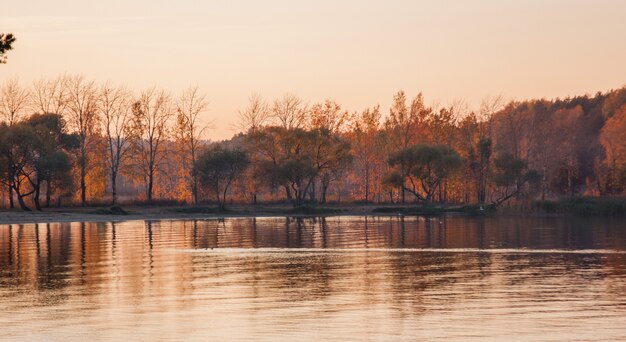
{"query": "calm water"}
(343, 278)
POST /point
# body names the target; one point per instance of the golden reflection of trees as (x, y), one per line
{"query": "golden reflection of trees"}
(149, 266)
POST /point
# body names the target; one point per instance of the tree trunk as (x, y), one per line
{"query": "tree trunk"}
(367, 184)
(288, 193)
(479, 197)
(569, 182)
(324, 189)
(23, 205)
(11, 204)
(83, 173)
(48, 193)
(440, 199)
(544, 181)
(20, 200)
(149, 191)
(194, 190)
(194, 176)
(113, 187)
(223, 204)
(218, 196)
(36, 197)
(312, 194)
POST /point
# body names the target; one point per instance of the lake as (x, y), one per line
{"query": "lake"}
(338, 278)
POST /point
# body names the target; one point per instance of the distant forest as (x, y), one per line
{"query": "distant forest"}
(71, 141)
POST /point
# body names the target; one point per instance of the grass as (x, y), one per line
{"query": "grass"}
(430, 210)
(389, 210)
(199, 210)
(114, 210)
(309, 210)
(584, 206)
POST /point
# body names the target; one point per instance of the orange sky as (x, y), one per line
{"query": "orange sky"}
(356, 52)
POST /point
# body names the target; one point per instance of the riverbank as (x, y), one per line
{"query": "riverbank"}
(103, 214)
(585, 206)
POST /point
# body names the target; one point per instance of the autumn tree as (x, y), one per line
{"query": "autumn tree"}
(14, 101)
(331, 156)
(217, 168)
(16, 159)
(481, 145)
(567, 145)
(50, 96)
(332, 152)
(613, 102)
(284, 160)
(510, 176)
(420, 169)
(329, 116)
(403, 124)
(32, 152)
(115, 108)
(308, 154)
(364, 134)
(613, 139)
(152, 112)
(50, 158)
(253, 119)
(403, 121)
(476, 150)
(9, 159)
(441, 129)
(189, 132)
(82, 114)
(442, 126)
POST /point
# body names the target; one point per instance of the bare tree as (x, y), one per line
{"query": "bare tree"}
(190, 131)
(255, 116)
(289, 112)
(460, 109)
(151, 115)
(83, 118)
(13, 101)
(115, 107)
(49, 96)
(488, 107)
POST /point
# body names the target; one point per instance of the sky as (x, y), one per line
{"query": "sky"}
(357, 52)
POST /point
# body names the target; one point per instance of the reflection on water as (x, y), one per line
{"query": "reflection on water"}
(345, 278)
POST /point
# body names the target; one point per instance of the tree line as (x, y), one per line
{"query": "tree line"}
(72, 141)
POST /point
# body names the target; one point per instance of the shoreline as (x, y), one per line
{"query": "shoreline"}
(133, 213)
(71, 217)
(154, 213)
(72, 214)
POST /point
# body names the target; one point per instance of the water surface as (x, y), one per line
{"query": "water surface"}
(340, 278)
